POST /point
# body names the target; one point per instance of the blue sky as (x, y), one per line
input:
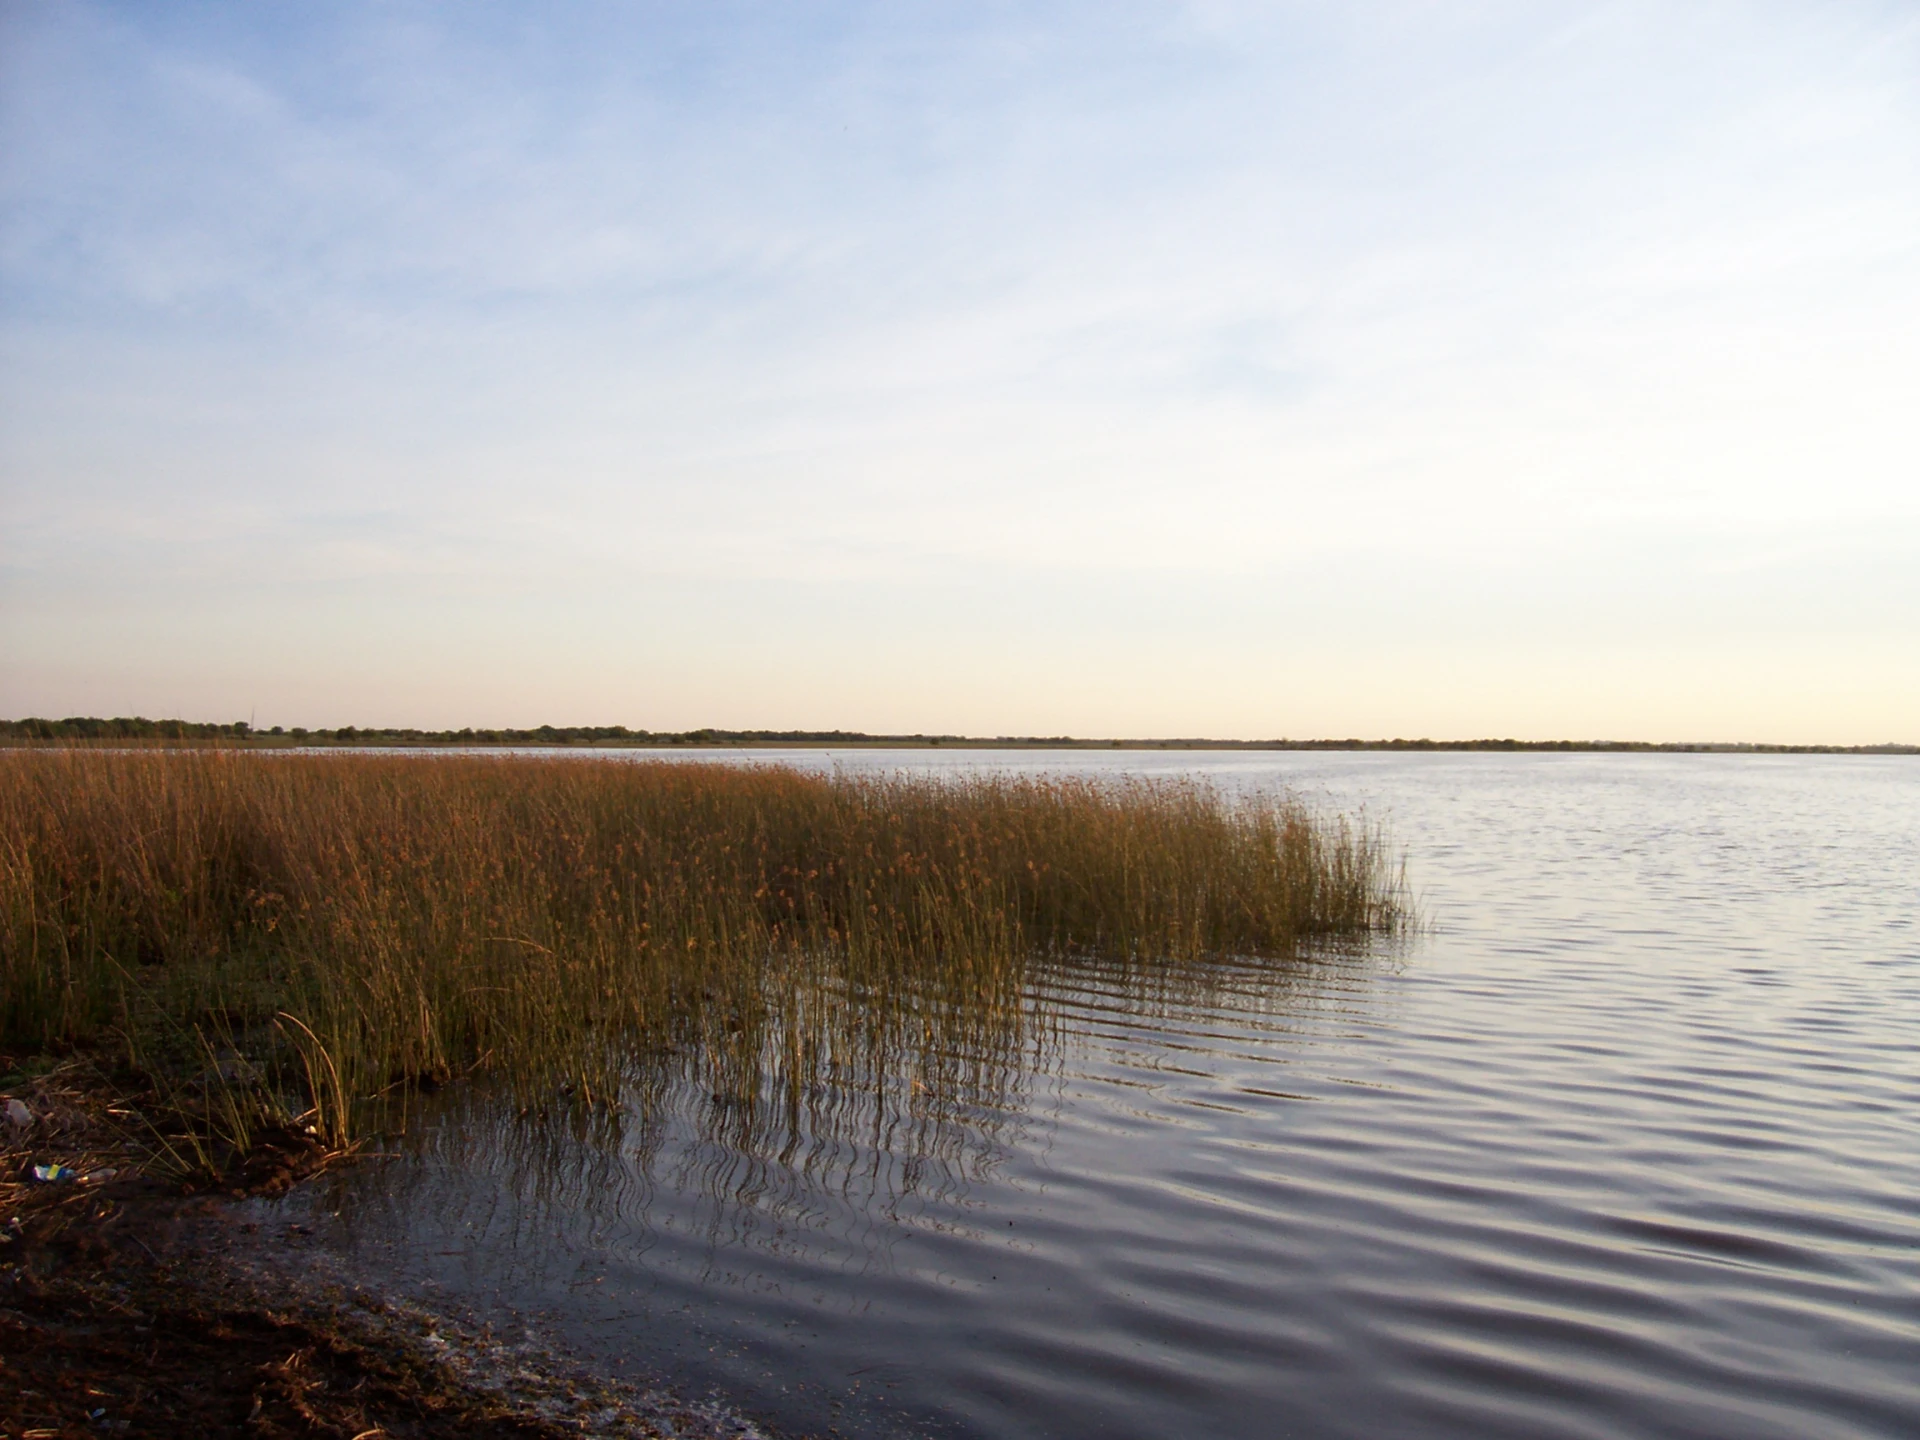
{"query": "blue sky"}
(1223, 369)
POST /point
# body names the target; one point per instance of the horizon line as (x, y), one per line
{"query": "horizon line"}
(83, 728)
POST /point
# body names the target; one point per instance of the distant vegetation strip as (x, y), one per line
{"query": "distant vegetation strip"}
(139, 728)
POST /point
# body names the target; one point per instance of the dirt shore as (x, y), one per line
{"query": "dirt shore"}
(133, 1304)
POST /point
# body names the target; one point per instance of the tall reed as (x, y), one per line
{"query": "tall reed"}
(356, 923)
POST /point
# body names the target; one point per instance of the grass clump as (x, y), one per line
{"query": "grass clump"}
(291, 936)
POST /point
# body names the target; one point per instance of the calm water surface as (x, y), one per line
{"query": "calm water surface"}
(1628, 1144)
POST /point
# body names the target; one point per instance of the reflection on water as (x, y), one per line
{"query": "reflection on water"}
(891, 1110)
(1624, 1146)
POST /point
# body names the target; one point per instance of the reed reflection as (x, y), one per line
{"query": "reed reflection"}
(819, 1118)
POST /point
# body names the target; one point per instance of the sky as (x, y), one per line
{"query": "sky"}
(1244, 370)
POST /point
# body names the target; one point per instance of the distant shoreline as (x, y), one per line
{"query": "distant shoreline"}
(138, 729)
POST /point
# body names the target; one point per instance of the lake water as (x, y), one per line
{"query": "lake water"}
(1626, 1142)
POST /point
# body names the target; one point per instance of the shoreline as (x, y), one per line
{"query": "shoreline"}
(132, 1305)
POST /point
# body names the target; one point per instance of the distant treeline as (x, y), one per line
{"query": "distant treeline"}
(123, 727)
(136, 727)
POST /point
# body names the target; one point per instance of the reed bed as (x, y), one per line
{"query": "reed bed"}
(312, 933)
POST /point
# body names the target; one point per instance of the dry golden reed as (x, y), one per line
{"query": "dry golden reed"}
(363, 922)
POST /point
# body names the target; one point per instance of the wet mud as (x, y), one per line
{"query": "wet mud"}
(134, 1304)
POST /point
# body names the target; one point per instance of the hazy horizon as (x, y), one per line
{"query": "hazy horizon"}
(1134, 369)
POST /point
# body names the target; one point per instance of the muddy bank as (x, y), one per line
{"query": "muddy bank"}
(133, 1305)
